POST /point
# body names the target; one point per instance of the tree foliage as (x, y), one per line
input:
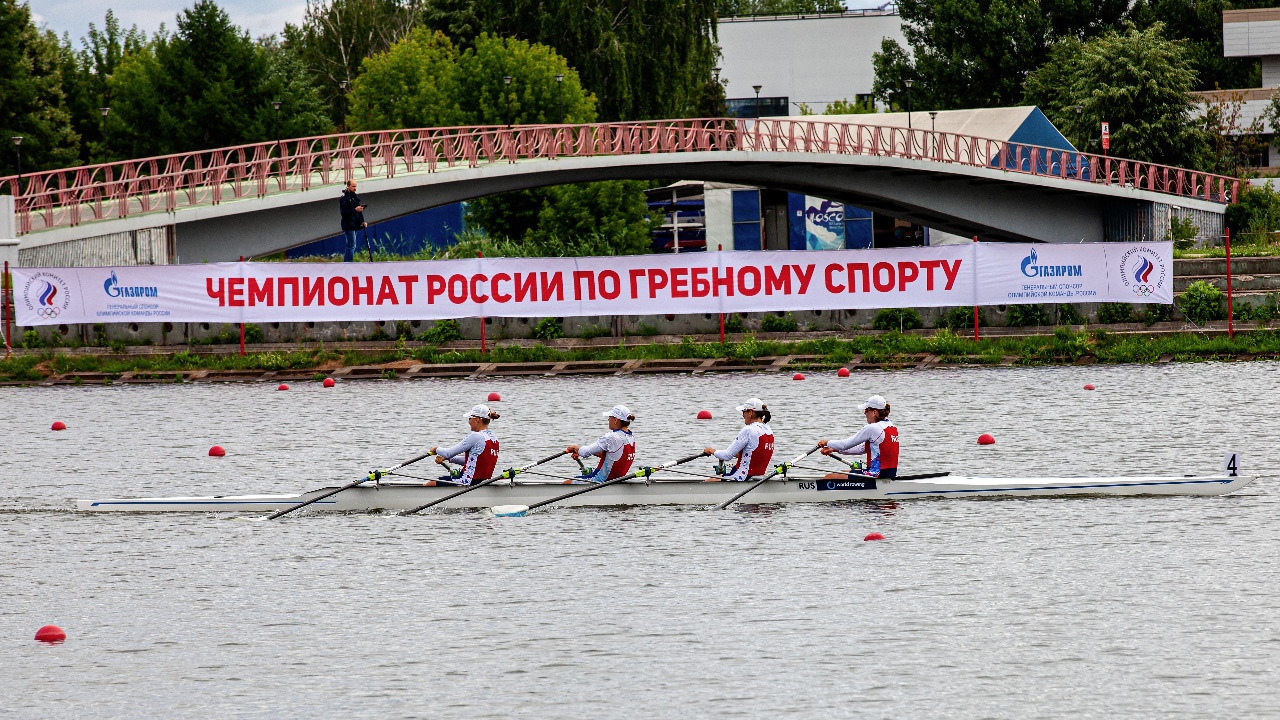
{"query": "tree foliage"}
(86, 73)
(1199, 24)
(32, 103)
(1137, 80)
(739, 8)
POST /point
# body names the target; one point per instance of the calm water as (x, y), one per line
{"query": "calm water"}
(1134, 607)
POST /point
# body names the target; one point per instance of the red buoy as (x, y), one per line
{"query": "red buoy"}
(59, 425)
(1089, 386)
(798, 376)
(217, 451)
(986, 439)
(283, 387)
(328, 382)
(842, 372)
(495, 397)
(873, 536)
(704, 414)
(51, 634)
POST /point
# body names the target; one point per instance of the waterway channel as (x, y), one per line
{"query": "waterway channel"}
(1086, 607)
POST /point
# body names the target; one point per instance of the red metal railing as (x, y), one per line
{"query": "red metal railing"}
(70, 197)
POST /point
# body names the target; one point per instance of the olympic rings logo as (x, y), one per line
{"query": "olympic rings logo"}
(48, 313)
(1144, 290)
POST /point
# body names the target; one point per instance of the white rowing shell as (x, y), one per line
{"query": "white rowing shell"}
(405, 496)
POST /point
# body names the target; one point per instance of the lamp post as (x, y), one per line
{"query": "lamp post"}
(506, 83)
(560, 96)
(715, 75)
(909, 83)
(342, 89)
(275, 105)
(933, 131)
(17, 144)
(104, 111)
(757, 89)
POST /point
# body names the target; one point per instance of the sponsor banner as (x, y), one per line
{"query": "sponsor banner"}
(561, 287)
(1093, 272)
(823, 224)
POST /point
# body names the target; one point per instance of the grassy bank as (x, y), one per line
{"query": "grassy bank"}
(1064, 346)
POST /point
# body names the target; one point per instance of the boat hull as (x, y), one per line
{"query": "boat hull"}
(405, 496)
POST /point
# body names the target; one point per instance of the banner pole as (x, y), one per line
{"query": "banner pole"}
(975, 296)
(483, 348)
(1231, 329)
(242, 321)
(720, 248)
(5, 283)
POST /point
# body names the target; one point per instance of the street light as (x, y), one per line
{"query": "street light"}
(715, 73)
(342, 89)
(560, 95)
(17, 144)
(757, 89)
(104, 111)
(506, 82)
(933, 131)
(275, 104)
(909, 83)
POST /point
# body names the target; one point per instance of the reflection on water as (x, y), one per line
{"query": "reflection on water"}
(1157, 606)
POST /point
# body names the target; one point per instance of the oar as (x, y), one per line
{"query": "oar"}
(780, 468)
(373, 475)
(520, 510)
(510, 473)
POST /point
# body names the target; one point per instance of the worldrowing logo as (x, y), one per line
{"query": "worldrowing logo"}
(1032, 268)
(113, 288)
(1143, 271)
(46, 295)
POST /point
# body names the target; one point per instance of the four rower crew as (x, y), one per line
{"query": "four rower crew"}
(879, 438)
(753, 447)
(479, 450)
(616, 448)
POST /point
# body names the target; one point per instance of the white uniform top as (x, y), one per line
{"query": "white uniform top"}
(611, 444)
(873, 433)
(747, 442)
(473, 446)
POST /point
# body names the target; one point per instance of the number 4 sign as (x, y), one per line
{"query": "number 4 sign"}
(1231, 464)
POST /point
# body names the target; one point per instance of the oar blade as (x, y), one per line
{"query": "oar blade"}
(509, 510)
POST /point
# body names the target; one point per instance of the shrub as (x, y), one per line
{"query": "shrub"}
(1154, 313)
(549, 329)
(1263, 311)
(31, 339)
(733, 323)
(442, 331)
(897, 319)
(1202, 302)
(1183, 232)
(1027, 316)
(1114, 312)
(775, 323)
(1068, 315)
(252, 334)
(960, 318)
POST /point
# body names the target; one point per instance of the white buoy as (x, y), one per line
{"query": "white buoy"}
(510, 510)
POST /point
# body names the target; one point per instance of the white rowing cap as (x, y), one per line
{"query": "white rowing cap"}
(755, 404)
(619, 411)
(479, 411)
(875, 402)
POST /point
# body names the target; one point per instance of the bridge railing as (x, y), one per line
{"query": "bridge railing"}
(72, 196)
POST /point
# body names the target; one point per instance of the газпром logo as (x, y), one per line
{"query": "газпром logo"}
(1031, 269)
(1142, 270)
(47, 295)
(113, 288)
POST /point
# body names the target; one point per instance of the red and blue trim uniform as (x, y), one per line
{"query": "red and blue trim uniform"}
(880, 440)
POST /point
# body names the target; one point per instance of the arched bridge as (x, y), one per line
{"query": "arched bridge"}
(255, 199)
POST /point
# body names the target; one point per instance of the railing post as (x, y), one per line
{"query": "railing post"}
(4, 303)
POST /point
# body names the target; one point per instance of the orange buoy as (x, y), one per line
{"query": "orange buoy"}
(986, 439)
(283, 387)
(842, 372)
(873, 536)
(1089, 386)
(704, 414)
(495, 397)
(329, 382)
(59, 425)
(217, 451)
(798, 376)
(51, 634)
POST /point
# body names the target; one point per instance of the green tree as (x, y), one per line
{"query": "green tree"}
(285, 79)
(976, 53)
(414, 84)
(1199, 23)
(86, 73)
(1138, 81)
(731, 8)
(32, 103)
(534, 95)
(613, 210)
(844, 107)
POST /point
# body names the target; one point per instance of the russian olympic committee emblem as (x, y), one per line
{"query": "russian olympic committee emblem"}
(46, 295)
(1143, 271)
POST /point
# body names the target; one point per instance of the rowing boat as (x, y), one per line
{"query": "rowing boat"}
(396, 496)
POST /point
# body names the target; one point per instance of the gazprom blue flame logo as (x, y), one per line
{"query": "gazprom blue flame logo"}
(113, 288)
(110, 285)
(1031, 268)
(1143, 273)
(1029, 261)
(47, 295)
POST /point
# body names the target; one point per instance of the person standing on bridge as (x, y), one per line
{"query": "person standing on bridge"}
(352, 219)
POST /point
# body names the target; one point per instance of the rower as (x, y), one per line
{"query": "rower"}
(753, 447)
(879, 438)
(616, 448)
(479, 450)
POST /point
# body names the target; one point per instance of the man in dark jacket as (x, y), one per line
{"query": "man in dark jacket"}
(352, 218)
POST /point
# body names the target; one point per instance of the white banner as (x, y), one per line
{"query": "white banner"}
(560, 287)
